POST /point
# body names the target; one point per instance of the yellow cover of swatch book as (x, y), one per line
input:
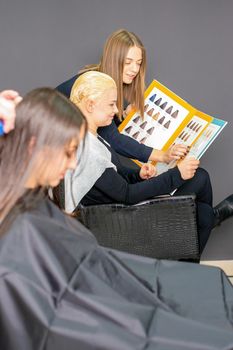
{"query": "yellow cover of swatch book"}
(168, 120)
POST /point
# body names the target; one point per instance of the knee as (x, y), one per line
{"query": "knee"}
(202, 175)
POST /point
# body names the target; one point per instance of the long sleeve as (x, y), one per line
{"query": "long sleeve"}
(112, 187)
(124, 145)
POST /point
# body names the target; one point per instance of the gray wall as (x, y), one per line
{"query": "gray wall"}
(189, 46)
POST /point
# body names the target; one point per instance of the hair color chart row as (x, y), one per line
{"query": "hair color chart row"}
(200, 146)
(191, 131)
(162, 116)
(207, 137)
(168, 120)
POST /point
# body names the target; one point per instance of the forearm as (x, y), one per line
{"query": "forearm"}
(159, 156)
(132, 176)
(114, 186)
(175, 152)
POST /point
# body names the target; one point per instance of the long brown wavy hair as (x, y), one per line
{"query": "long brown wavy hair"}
(112, 63)
(49, 119)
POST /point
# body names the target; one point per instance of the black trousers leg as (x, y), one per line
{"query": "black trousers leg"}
(200, 185)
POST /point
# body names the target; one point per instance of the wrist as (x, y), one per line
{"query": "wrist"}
(166, 157)
(180, 171)
(158, 156)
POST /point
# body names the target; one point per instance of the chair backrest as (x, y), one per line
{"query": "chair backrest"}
(59, 195)
(164, 227)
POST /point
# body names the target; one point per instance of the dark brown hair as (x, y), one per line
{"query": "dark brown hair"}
(49, 119)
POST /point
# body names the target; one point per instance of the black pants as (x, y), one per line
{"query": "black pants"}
(200, 185)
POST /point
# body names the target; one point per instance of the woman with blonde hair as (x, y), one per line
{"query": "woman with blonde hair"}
(105, 180)
(124, 59)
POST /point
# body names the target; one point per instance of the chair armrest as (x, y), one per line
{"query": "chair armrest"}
(168, 199)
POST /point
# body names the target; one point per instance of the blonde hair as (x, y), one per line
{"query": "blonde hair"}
(112, 63)
(91, 85)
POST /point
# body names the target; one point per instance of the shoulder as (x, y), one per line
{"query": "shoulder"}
(66, 86)
(44, 223)
(44, 249)
(47, 214)
(109, 131)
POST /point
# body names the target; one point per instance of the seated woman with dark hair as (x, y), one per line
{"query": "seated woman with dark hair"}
(58, 288)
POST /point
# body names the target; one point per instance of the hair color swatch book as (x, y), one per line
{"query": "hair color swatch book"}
(168, 120)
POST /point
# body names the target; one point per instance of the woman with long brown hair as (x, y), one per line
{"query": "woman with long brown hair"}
(23, 171)
(124, 59)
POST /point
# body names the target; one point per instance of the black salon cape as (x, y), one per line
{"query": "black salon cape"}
(60, 290)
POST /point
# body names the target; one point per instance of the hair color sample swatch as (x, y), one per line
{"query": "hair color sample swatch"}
(152, 98)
